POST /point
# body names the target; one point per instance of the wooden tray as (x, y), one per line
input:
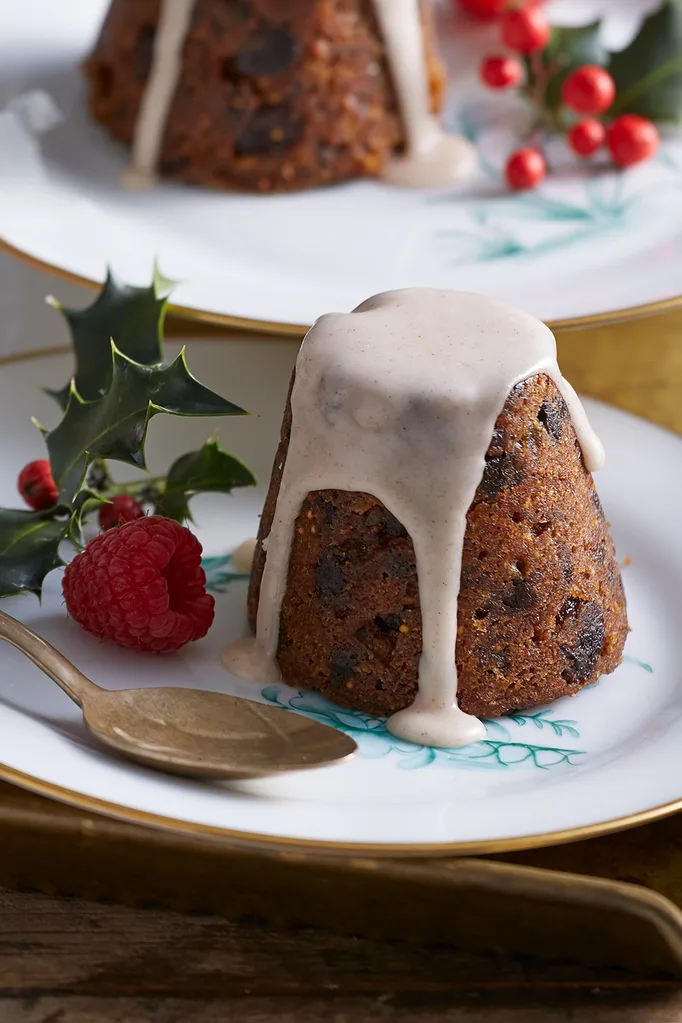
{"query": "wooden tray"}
(611, 901)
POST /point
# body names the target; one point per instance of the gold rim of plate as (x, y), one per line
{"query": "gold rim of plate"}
(265, 842)
(284, 844)
(298, 330)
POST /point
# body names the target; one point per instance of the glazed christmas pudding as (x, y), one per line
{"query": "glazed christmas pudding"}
(432, 545)
(269, 96)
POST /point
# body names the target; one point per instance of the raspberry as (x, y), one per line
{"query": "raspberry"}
(141, 586)
(119, 510)
(525, 169)
(501, 72)
(36, 485)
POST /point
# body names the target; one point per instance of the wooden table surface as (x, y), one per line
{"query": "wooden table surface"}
(66, 960)
(69, 960)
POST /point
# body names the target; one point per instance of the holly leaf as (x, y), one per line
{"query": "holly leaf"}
(119, 385)
(209, 470)
(568, 49)
(29, 549)
(84, 502)
(133, 317)
(115, 424)
(648, 74)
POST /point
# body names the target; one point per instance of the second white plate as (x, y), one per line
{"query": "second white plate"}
(585, 244)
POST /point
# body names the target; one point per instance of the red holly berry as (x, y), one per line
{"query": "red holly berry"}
(36, 485)
(501, 72)
(525, 169)
(120, 509)
(525, 30)
(484, 9)
(489, 9)
(632, 139)
(141, 586)
(589, 90)
(586, 137)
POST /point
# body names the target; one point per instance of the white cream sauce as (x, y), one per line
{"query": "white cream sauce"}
(399, 399)
(433, 157)
(174, 22)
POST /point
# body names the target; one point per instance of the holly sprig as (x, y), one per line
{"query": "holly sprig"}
(119, 384)
(600, 100)
(548, 69)
(647, 73)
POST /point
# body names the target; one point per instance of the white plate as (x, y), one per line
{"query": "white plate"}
(610, 756)
(585, 244)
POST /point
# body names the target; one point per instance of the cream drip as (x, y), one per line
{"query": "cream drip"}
(174, 23)
(399, 399)
(433, 158)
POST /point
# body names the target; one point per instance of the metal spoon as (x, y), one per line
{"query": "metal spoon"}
(187, 731)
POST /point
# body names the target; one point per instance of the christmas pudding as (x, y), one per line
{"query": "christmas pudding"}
(432, 546)
(267, 95)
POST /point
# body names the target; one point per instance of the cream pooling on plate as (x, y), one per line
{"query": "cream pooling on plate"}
(399, 400)
(433, 158)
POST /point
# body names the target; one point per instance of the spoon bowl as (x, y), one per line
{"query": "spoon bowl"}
(211, 735)
(189, 732)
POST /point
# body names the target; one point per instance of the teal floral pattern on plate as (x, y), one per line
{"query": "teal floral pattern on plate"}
(534, 225)
(576, 203)
(503, 749)
(505, 746)
(220, 573)
(628, 659)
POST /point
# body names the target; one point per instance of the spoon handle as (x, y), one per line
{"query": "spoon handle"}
(48, 659)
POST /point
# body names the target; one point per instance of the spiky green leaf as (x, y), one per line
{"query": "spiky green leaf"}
(648, 74)
(119, 385)
(208, 470)
(85, 502)
(115, 424)
(29, 549)
(133, 317)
